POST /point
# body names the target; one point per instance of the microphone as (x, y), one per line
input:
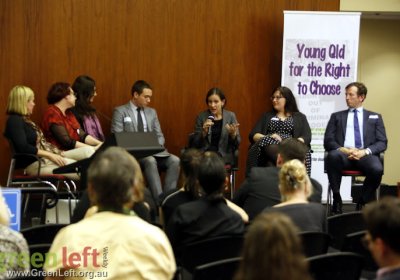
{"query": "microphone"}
(212, 118)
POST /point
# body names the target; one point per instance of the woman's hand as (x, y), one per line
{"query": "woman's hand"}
(57, 159)
(232, 129)
(206, 126)
(276, 137)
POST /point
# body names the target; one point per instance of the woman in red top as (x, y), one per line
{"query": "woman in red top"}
(59, 124)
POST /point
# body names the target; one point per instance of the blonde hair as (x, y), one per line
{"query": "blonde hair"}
(18, 99)
(292, 178)
(4, 214)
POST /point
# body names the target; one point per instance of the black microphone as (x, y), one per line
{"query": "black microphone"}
(212, 118)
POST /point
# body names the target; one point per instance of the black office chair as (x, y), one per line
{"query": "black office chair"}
(314, 243)
(209, 250)
(219, 270)
(341, 225)
(343, 266)
(41, 234)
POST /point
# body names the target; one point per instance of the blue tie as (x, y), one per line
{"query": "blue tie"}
(357, 135)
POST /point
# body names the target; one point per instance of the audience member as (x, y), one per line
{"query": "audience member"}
(136, 116)
(209, 216)
(272, 250)
(382, 238)
(354, 138)
(14, 250)
(114, 241)
(217, 129)
(284, 121)
(261, 188)
(85, 90)
(295, 187)
(26, 137)
(59, 124)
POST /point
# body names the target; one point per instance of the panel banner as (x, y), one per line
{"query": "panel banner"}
(320, 56)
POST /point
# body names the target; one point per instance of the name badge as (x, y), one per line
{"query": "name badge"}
(127, 119)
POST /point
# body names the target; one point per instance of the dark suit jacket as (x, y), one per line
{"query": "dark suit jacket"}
(261, 190)
(374, 134)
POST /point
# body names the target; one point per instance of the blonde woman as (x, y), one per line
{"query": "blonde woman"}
(26, 137)
(295, 188)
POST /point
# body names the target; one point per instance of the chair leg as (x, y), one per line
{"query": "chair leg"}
(328, 201)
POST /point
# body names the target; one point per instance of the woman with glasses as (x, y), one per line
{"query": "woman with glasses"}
(85, 91)
(59, 124)
(284, 121)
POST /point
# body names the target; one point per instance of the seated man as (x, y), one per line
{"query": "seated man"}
(261, 188)
(113, 242)
(383, 231)
(354, 138)
(135, 116)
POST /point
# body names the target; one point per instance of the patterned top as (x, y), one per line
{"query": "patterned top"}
(12, 246)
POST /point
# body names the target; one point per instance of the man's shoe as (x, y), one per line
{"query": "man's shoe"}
(337, 204)
(360, 205)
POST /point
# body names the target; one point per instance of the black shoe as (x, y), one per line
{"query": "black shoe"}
(337, 204)
(360, 205)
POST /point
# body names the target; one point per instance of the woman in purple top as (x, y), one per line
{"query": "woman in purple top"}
(85, 90)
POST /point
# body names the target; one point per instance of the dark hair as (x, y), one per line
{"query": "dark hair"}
(112, 175)
(139, 86)
(83, 87)
(382, 221)
(57, 92)
(216, 91)
(212, 174)
(290, 105)
(361, 88)
(272, 250)
(190, 162)
(292, 148)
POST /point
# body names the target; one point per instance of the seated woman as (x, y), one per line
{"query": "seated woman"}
(26, 137)
(85, 91)
(295, 187)
(59, 124)
(272, 250)
(217, 129)
(209, 216)
(284, 121)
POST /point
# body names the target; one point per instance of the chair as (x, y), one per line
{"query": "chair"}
(341, 225)
(209, 250)
(353, 243)
(343, 266)
(17, 177)
(41, 234)
(219, 270)
(355, 184)
(314, 243)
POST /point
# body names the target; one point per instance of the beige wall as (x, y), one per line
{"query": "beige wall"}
(370, 5)
(379, 69)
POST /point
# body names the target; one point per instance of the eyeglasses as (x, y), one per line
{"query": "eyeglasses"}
(276, 97)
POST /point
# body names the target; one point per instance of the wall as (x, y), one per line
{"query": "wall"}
(182, 47)
(379, 69)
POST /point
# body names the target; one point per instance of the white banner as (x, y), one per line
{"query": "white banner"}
(320, 55)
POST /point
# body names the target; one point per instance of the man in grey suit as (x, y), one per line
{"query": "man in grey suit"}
(136, 116)
(354, 138)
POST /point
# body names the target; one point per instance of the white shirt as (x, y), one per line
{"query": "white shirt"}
(349, 141)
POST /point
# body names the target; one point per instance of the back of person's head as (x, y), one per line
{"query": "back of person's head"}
(212, 174)
(114, 179)
(18, 100)
(382, 219)
(190, 162)
(57, 92)
(361, 88)
(292, 148)
(293, 177)
(290, 104)
(4, 214)
(272, 250)
(218, 92)
(139, 86)
(84, 88)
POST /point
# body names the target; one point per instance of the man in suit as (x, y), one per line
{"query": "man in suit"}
(354, 138)
(136, 116)
(382, 237)
(261, 189)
